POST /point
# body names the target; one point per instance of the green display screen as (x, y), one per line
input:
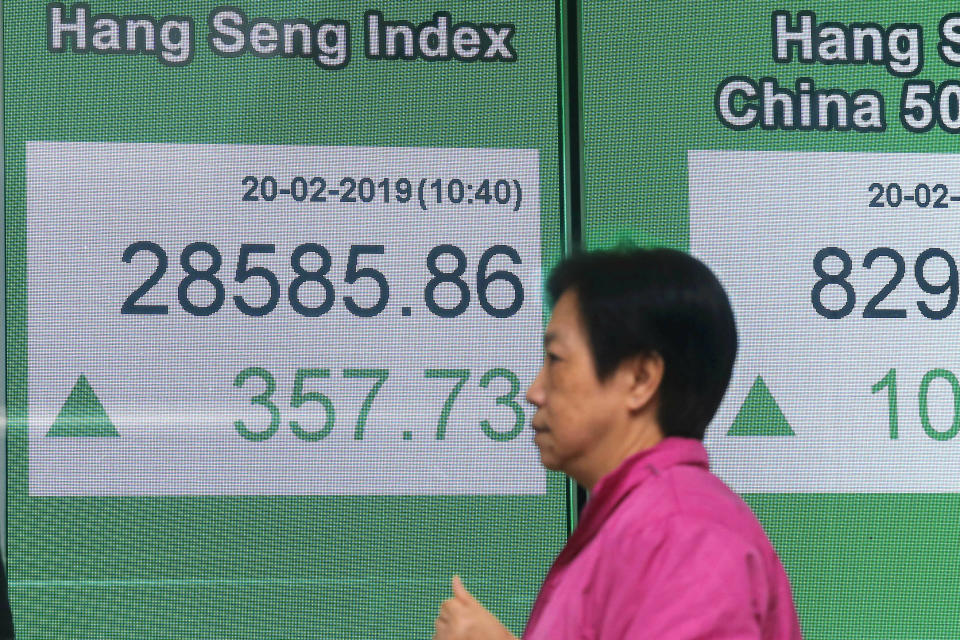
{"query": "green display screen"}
(274, 293)
(273, 297)
(806, 152)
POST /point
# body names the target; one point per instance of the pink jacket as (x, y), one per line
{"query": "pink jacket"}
(665, 551)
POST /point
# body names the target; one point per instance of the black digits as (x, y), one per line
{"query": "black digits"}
(839, 279)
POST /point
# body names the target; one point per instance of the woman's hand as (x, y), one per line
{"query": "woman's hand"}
(462, 617)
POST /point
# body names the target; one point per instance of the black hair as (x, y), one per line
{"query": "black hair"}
(657, 301)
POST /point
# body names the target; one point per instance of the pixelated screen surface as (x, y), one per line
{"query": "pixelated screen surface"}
(274, 295)
(806, 152)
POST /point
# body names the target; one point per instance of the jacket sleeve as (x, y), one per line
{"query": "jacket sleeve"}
(681, 579)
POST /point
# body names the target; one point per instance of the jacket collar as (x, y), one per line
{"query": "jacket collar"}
(609, 492)
(612, 488)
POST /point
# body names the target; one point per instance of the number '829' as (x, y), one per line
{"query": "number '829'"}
(835, 277)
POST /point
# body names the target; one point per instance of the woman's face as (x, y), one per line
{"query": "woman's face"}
(575, 410)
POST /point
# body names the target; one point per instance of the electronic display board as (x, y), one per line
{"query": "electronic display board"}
(274, 295)
(806, 152)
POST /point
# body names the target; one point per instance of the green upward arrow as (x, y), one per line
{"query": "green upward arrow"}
(83, 415)
(760, 414)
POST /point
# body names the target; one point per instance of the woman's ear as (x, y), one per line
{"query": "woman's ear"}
(642, 375)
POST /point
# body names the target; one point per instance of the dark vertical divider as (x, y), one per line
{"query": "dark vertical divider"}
(571, 143)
